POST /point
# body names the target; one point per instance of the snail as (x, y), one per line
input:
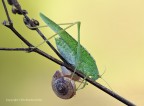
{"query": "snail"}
(63, 86)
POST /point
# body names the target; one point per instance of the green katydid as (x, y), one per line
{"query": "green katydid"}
(71, 50)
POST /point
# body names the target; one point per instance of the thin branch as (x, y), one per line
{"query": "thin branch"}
(15, 49)
(8, 17)
(36, 50)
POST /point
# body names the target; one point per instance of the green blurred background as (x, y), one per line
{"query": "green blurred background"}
(112, 31)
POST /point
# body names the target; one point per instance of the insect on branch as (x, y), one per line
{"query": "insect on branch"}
(16, 9)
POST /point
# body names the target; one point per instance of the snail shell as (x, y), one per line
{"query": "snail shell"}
(63, 87)
(68, 73)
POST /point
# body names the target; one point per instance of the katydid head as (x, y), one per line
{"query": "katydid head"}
(63, 87)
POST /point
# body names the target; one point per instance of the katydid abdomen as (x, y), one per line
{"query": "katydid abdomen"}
(86, 63)
(67, 47)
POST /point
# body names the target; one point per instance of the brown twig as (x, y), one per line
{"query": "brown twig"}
(15, 49)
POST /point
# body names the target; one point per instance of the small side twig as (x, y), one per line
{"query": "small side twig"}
(15, 49)
(36, 50)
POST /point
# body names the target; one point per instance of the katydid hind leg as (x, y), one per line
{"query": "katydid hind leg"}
(69, 26)
(77, 62)
(44, 26)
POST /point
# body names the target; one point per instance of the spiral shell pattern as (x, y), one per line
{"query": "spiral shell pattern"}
(63, 87)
